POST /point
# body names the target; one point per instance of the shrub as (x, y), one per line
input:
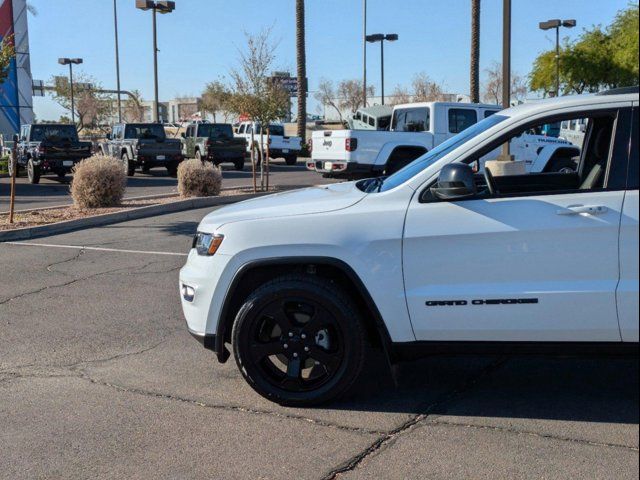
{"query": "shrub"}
(198, 179)
(98, 182)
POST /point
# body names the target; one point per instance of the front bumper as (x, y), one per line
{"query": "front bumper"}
(206, 280)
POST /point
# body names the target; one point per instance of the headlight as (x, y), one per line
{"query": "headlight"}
(207, 243)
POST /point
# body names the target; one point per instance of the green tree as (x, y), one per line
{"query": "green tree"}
(215, 98)
(7, 53)
(599, 58)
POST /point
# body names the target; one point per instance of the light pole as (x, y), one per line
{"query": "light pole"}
(557, 23)
(71, 62)
(364, 53)
(115, 25)
(380, 37)
(163, 7)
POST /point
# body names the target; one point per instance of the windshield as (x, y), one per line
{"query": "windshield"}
(53, 132)
(277, 130)
(215, 130)
(150, 131)
(429, 158)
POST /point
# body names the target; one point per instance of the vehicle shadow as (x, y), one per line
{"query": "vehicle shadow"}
(183, 229)
(570, 389)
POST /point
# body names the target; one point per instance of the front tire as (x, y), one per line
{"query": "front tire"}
(299, 341)
(128, 165)
(239, 164)
(33, 172)
(292, 160)
(563, 165)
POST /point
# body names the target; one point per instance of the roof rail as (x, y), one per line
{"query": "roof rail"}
(620, 91)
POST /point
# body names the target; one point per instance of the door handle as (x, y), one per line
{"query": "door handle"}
(588, 209)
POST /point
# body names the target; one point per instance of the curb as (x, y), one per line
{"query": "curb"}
(117, 217)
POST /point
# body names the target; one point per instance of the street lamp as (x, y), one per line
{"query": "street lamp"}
(115, 27)
(163, 7)
(71, 62)
(557, 23)
(380, 37)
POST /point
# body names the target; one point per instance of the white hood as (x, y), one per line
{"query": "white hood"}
(307, 201)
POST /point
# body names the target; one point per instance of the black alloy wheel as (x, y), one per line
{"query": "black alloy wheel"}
(298, 341)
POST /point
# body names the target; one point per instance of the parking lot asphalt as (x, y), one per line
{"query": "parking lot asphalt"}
(99, 378)
(51, 191)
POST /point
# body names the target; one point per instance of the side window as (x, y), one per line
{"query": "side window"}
(411, 120)
(488, 113)
(548, 165)
(249, 129)
(358, 116)
(632, 175)
(461, 118)
(241, 129)
(191, 130)
(372, 121)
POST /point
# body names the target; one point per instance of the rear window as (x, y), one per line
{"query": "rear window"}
(461, 118)
(411, 120)
(488, 113)
(53, 132)
(215, 130)
(383, 123)
(277, 130)
(145, 131)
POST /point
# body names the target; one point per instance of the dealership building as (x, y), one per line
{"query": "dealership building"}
(16, 93)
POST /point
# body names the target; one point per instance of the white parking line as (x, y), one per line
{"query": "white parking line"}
(99, 249)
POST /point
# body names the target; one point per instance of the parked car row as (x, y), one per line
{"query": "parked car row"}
(46, 148)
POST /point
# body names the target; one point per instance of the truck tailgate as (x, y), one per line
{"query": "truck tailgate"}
(330, 145)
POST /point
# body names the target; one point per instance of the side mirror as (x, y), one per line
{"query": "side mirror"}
(455, 182)
(183, 135)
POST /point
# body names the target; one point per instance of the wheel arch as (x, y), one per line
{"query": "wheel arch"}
(252, 274)
(389, 148)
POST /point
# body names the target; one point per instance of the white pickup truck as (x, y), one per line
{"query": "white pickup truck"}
(280, 145)
(415, 129)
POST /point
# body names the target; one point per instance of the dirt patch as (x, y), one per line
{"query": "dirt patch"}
(39, 217)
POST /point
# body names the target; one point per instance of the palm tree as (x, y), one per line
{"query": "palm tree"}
(474, 84)
(302, 71)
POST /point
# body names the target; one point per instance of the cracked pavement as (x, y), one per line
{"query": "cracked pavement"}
(99, 378)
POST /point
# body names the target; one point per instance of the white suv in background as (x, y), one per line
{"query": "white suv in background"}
(434, 258)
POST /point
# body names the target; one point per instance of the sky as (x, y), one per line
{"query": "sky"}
(199, 41)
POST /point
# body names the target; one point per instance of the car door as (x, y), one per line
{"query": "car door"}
(190, 141)
(627, 291)
(535, 267)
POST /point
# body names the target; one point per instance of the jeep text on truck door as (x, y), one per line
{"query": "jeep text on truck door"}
(49, 148)
(214, 142)
(415, 129)
(143, 145)
(432, 259)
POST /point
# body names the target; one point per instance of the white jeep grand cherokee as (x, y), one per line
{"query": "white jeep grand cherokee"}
(434, 258)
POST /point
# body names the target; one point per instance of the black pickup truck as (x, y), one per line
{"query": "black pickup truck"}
(49, 148)
(214, 142)
(143, 145)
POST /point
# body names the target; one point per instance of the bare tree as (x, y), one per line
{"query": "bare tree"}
(91, 107)
(426, 90)
(492, 90)
(301, 59)
(253, 95)
(326, 95)
(132, 110)
(399, 96)
(351, 95)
